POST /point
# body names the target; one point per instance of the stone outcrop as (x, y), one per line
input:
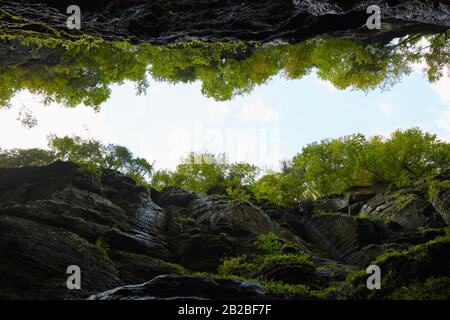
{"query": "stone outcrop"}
(164, 22)
(61, 215)
(189, 287)
(122, 235)
(219, 226)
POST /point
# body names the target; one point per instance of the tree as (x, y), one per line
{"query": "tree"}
(333, 166)
(86, 152)
(16, 158)
(94, 153)
(83, 72)
(208, 173)
(407, 156)
(77, 75)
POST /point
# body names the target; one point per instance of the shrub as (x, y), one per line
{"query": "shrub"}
(237, 266)
(269, 244)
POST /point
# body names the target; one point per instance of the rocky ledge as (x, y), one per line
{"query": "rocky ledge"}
(165, 22)
(153, 245)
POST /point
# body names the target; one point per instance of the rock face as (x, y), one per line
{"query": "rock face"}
(442, 204)
(188, 287)
(408, 209)
(291, 272)
(120, 234)
(220, 227)
(163, 22)
(61, 215)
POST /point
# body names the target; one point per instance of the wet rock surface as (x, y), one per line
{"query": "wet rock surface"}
(120, 234)
(189, 287)
(219, 226)
(61, 215)
(163, 22)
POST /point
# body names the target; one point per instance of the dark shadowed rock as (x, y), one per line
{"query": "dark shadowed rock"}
(188, 287)
(220, 227)
(408, 209)
(441, 203)
(35, 258)
(291, 272)
(341, 236)
(332, 204)
(60, 215)
(420, 272)
(164, 22)
(173, 196)
(136, 268)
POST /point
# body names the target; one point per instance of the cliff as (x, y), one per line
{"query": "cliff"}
(165, 22)
(121, 234)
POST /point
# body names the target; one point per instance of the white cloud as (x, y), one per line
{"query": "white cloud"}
(166, 154)
(158, 87)
(442, 88)
(380, 132)
(259, 112)
(386, 108)
(419, 67)
(216, 111)
(54, 118)
(444, 120)
(327, 85)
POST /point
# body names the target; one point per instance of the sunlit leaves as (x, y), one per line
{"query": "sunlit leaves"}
(207, 173)
(84, 74)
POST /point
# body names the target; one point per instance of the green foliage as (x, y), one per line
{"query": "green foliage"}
(103, 246)
(400, 277)
(90, 154)
(82, 71)
(93, 153)
(303, 259)
(434, 288)
(333, 166)
(239, 194)
(280, 287)
(286, 188)
(436, 186)
(208, 173)
(269, 244)
(82, 75)
(16, 158)
(268, 250)
(336, 165)
(406, 157)
(237, 266)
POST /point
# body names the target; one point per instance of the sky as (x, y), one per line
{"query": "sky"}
(270, 124)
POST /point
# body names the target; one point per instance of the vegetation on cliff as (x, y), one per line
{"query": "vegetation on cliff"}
(211, 228)
(89, 153)
(331, 166)
(82, 72)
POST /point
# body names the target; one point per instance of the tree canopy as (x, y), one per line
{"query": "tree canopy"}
(83, 72)
(333, 166)
(207, 173)
(86, 152)
(330, 166)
